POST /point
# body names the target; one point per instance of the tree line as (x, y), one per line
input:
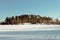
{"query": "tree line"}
(33, 19)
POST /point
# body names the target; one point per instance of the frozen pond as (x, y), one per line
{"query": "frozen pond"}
(31, 35)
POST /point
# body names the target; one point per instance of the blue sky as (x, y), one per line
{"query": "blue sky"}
(40, 7)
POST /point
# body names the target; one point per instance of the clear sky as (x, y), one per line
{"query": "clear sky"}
(40, 7)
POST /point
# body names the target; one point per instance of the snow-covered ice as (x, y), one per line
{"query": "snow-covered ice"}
(28, 27)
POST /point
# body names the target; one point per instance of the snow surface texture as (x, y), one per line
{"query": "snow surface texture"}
(29, 27)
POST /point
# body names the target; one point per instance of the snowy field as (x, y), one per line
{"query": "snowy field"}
(30, 35)
(28, 27)
(30, 32)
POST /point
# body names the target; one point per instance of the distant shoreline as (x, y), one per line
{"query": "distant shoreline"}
(32, 19)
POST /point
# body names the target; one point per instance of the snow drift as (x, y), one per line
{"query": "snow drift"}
(28, 27)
